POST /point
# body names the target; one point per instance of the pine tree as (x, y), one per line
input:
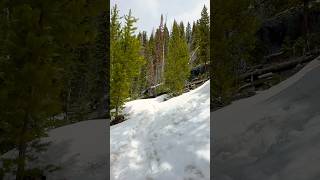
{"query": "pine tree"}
(194, 46)
(194, 36)
(233, 42)
(116, 71)
(204, 37)
(306, 26)
(188, 34)
(182, 30)
(29, 88)
(39, 37)
(139, 83)
(125, 59)
(83, 71)
(151, 56)
(177, 68)
(166, 40)
(143, 72)
(101, 79)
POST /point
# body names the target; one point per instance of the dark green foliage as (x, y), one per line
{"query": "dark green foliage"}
(199, 39)
(182, 30)
(41, 40)
(203, 40)
(126, 59)
(233, 38)
(188, 33)
(177, 68)
(140, 82)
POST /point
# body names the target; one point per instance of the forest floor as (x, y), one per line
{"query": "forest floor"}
(272, 135)
(163, 139)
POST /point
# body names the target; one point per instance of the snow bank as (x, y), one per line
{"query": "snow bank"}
(163, 140)
(274, 135)
(79, 149)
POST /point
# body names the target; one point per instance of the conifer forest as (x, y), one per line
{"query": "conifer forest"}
(145, 65)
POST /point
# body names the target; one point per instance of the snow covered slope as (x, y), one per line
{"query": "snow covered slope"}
(163, 140)
(274, 135)
(79, 149)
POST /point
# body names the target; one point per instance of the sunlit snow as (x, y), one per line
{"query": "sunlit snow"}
(163, 140)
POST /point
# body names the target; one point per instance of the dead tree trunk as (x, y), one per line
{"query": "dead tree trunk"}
(277, 67)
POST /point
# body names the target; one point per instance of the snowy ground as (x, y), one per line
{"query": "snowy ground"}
(274, 135)
(163, 140)
(79, 149)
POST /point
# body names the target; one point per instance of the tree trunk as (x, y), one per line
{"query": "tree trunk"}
(306, 25)
(22, 148)
(277, 67)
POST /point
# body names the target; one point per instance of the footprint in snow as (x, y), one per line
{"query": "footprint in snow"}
(193, 171)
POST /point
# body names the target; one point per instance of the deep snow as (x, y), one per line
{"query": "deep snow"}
(163, 140)
(274, 135)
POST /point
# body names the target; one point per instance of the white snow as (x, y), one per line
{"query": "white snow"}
(163, 140)
(274, 135)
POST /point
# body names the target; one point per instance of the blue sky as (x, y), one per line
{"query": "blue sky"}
(149, 11)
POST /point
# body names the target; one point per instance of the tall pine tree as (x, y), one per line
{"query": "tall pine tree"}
(177, 69)
(203, 41)
(188, 34)
(126, 59)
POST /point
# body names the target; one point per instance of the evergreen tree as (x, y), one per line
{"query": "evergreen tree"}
(194, 46)
(232, 43)
(29, 88)
(125, 59)
(194, 36)
(166, 40)
(151, 56)
(139, 83)
(101, 75)
(182, 30)
(39, 38)
(177, 68)
(188, 34)
(203, 42)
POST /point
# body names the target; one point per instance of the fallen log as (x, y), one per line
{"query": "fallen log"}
(274, 57)
(270, 74)
(200, 81)
(255, 83)
(278, 67)
(247, 85)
